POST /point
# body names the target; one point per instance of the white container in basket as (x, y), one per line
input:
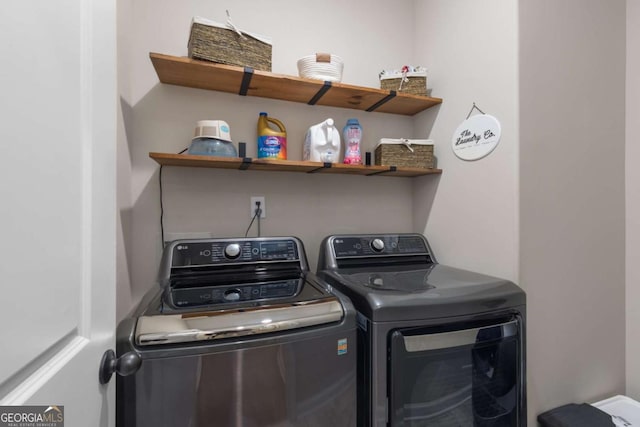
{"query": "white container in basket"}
(321, 66)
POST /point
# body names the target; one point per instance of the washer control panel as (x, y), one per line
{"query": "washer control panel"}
(213, 252)
(379, 245)
(216, 294)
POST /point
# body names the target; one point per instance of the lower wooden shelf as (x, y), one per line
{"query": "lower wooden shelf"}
(247, 163)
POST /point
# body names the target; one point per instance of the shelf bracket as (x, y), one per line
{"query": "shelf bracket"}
(324, 89)
(391, 169)
(325, 165)
(246, 162)
(246, 81)
(392, 94)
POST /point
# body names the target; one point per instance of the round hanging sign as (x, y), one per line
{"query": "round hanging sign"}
(476, 137)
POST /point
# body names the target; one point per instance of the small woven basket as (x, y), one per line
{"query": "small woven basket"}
(408, 80)
(410, 153)
(415, 85)
(215, 42)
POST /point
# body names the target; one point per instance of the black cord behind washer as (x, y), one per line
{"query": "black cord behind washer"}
(162, 204)
(257, 214)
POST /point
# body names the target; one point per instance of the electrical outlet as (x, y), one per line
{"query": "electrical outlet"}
(254, 206)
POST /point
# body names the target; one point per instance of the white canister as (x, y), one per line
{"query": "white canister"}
(218, 129)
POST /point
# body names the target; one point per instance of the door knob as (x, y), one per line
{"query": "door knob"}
(124, 365)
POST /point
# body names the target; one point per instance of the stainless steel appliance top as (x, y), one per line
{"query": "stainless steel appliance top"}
(391, 277)
(212, 289)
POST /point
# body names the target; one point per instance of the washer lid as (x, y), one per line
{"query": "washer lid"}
(438, 291)
(404, 281)
(220, 323)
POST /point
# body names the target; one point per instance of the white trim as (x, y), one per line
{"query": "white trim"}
(32, 384)
(86, 135)
(400, 74)
(405, 141)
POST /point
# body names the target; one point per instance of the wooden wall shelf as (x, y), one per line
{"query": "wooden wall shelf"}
(285, 165)
(246, 81)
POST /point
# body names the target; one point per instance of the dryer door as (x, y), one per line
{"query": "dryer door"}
(469, 375)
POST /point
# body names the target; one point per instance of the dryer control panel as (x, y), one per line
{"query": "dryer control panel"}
(379, 245)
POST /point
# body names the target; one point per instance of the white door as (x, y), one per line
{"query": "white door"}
(58, 102)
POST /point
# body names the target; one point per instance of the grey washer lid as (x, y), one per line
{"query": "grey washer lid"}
(439, 292)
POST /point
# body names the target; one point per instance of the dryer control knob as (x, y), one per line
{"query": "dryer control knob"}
(377, 245)
(232, 251)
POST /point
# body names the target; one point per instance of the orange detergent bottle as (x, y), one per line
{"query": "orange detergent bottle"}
(272, 143)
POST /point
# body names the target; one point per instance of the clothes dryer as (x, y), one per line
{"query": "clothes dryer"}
(438, 346)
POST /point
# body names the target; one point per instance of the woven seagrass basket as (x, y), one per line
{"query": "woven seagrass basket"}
(410, 153)
(415, 85)
(211, 41)
(411, 80)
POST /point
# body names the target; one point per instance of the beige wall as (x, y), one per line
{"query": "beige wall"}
(470, 50)
(572, 92)
(545, 209)
(159, 117)
(633, 199)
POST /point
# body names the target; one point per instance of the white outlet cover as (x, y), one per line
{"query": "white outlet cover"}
(263, 206)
